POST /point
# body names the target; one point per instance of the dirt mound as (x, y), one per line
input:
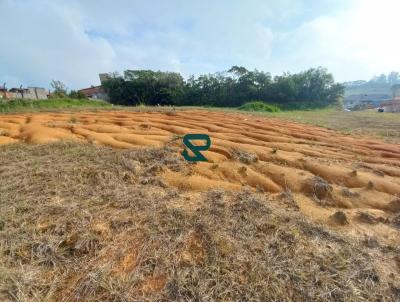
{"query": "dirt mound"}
(312, 171)
(323, 169)
(78, 223)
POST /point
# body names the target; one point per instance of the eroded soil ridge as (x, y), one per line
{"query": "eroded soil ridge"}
(324, 170)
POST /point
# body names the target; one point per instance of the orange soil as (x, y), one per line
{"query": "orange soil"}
(289, 154)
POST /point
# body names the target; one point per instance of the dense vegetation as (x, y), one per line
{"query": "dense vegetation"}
(314, 88)
(60, 91)
(59, 103)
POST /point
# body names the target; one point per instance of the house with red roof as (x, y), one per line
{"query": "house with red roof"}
(96, 92)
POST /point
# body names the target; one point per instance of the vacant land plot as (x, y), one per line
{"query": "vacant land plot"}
(299, 213)
(382, 125)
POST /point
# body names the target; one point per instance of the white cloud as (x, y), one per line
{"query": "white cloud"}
(75, 40)
(355, 43)
(43, 42)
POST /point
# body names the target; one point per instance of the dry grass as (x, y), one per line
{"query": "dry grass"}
(244, 157)
(360, 123)
(86, 223)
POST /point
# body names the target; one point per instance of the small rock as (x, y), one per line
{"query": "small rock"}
(319, 188)
(242, 171)
(340, 218)
(394, 206)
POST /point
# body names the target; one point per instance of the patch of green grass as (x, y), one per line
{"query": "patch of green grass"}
(49, 104)
(141, 105)
(259, 107)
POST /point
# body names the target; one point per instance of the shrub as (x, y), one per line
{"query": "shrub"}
(77, 95)
(259, 106)
(57, 95)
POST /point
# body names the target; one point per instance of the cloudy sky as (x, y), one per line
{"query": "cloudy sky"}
(74, 40)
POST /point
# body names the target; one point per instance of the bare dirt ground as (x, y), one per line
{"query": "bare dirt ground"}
(268, 154)
(281, 211)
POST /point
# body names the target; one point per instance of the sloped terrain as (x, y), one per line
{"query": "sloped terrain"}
(87, 223)
(326, 170)
(101, 206)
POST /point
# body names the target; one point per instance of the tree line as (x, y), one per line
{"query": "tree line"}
(313, 88)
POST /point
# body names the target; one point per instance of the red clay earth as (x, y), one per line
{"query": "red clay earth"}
(323, 169)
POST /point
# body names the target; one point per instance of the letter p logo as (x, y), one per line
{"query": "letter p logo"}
(195, 149)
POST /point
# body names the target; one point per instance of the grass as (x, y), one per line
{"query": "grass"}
(50, 104)
(381, 125)
(85, 223)
(384, 126)
(258, 106)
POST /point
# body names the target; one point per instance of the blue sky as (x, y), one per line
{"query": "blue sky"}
(74, 40)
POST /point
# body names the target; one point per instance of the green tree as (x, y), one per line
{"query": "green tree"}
(73, 94)
(59, 88)
(145, 86)
(312, 88)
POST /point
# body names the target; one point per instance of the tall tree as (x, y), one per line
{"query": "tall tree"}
(59, 88)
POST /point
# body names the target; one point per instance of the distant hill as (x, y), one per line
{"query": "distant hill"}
(370, 93)
(368, 89)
